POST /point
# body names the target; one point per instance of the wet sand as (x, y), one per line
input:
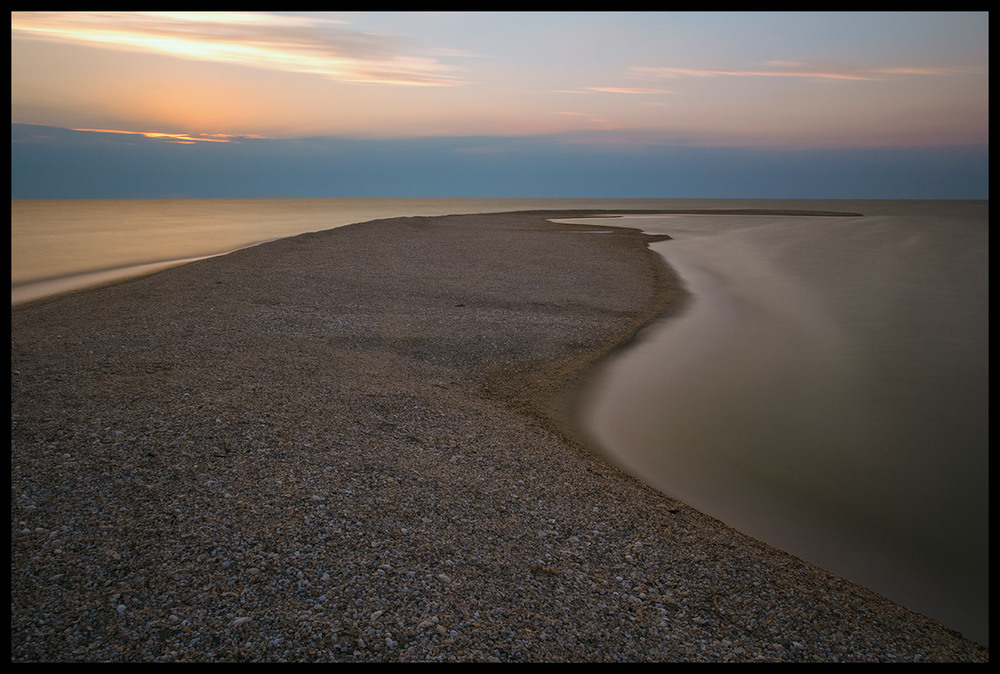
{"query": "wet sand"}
(355, 445)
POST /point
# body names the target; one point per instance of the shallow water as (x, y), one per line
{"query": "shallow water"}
(61, 245)
(825, 390)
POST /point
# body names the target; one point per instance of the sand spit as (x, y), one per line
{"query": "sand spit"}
(351, 446)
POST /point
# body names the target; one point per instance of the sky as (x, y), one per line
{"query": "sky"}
(486, 104)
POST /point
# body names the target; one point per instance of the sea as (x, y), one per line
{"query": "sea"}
(824, 387)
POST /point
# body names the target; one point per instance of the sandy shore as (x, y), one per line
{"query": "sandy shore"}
(353, 446)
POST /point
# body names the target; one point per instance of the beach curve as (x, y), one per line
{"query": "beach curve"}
(356, 445)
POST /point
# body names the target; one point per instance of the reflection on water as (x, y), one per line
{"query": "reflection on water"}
(61, 239)
(826, 391)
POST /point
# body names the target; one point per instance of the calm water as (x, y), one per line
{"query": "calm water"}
(67, 244)
(825, 390)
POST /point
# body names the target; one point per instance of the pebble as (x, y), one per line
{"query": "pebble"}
(262, 470)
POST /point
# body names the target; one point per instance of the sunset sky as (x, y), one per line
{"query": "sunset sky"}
(230, 104)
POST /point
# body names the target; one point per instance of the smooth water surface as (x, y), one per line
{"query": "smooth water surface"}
(62, 245)
(825, 390)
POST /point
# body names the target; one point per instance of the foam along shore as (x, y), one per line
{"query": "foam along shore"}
(353, 445)
(31, 291)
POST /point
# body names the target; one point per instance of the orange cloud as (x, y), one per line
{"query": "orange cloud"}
(309, 45)
(176, 137)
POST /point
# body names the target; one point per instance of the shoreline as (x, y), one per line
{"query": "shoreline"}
(358, 445)
(65, 281)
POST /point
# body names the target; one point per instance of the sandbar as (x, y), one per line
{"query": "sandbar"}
(357, 445)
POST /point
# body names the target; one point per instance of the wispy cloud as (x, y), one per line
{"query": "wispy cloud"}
(632, 91)
(300, 44)
(184, 138)
(792, 69)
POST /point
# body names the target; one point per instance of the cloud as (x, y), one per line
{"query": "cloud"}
(638, 91)
(630, 91)
(300, 44)
(54, 163)
(182, 138)
(792, 69)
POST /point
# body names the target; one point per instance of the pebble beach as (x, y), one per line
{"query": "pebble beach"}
(357, 445)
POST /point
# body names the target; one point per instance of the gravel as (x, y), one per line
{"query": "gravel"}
(354, 445)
